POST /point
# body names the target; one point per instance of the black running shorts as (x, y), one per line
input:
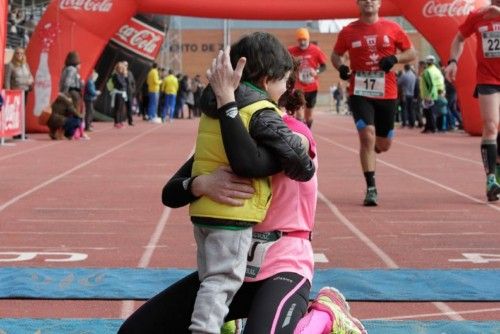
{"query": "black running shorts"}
(310, 99)
(376, 112)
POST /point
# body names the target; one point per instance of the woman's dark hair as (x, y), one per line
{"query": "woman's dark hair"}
(266, 57)
(72, 59)
(292, 99)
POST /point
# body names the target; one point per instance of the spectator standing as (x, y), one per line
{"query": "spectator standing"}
(312, 62)
(119, 94)
(338, 96)
(198, 89)
(170, 86)
(431, 81)
(18, 75)
(407, 81)
(89, 96)
(70, 76)
(154, 82)
(131, 93)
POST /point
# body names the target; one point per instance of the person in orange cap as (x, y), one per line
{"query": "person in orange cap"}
(312, 62)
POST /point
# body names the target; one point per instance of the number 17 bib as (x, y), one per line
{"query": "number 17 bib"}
(369, 84)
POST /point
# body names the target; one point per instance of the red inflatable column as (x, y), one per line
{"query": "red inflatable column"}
(84, 26)
(438, 22)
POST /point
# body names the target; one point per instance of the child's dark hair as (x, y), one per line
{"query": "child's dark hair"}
(266, 57)
(440, 91)
(292, 99)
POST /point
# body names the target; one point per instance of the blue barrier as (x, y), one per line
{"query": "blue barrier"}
(362, 285)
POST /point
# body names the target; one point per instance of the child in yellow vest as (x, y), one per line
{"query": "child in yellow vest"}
(223, 233)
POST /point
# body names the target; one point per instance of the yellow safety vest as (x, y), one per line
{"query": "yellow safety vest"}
(210, 154)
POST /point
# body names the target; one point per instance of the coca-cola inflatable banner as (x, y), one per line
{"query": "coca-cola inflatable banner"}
(87, 25)
(437, 21)
(3, 36)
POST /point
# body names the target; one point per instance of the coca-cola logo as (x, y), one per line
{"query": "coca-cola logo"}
(87, 5)
(434, 8)
(144, 40)
(140, 38)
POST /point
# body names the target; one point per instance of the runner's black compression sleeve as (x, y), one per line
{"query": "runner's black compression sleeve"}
(174, 194)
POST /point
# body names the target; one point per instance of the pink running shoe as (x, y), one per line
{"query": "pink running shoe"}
(330, 300)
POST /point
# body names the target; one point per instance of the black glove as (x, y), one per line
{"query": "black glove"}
(387, 63)
(344, 72)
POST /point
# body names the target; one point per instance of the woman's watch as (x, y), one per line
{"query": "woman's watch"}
(187, 183)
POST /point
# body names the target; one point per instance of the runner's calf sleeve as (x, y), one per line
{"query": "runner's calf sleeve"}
(370, 179)
(489, 155)
(498, 143)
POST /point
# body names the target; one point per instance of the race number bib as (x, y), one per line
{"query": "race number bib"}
(307, 75)
(491, 44)
(261, 242)
(370, 84)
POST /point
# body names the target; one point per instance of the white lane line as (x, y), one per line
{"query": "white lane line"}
(426, 315)
(57, 249)
(405, 171)
(378, 251)
(475, 162)
(68, 172)
(128, 305)
(399, 141)
(83, 209)
(363, 237)
(439, 222)
(436, 234)
(35, 220)
(458, 248)
(5, 157)
(55, 233)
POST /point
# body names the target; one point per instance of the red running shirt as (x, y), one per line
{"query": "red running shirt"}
(310, 59)
(488, 46)
(366, 45)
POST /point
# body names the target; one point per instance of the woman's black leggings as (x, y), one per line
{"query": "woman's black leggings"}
(274, 305)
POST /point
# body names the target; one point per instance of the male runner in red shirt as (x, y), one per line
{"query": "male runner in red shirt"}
(485, 24)
(372, 44)
(312, 62)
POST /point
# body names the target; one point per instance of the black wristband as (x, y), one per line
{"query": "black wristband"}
(229, 109)
(452, 60)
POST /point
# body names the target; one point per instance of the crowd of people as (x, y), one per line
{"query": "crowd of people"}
(166, 95)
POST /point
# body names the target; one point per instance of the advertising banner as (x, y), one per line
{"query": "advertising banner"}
(438, 21)
(140, 38)
(12, 113)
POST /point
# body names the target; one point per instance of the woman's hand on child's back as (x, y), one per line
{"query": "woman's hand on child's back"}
(223, 186)
(223, 79)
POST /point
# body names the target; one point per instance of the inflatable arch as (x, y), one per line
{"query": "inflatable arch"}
(87, 25)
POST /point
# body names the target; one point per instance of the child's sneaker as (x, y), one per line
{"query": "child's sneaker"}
(330, 300)
(370, 197)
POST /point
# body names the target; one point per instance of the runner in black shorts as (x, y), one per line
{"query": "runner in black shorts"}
(372, 44)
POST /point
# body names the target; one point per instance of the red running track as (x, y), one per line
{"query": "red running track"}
(102, 198)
